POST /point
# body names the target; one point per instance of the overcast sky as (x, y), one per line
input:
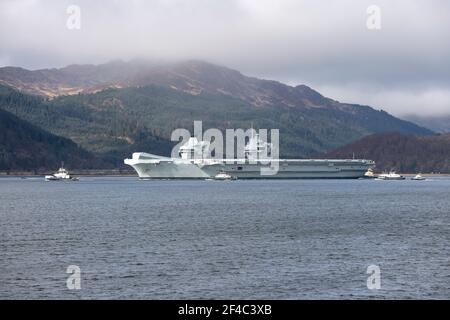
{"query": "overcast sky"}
(403, 68)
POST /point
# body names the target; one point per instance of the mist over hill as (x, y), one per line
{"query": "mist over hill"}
(120, 107)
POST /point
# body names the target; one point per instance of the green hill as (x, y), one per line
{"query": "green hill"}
(26, 147)
(123, 107)
(404, 153)
(119, 120)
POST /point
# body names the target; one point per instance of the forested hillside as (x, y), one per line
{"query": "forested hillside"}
(404, 153)
(26, 147)
(115, 109)
(142, 119)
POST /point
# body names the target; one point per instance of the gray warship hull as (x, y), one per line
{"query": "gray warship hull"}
(150, 166)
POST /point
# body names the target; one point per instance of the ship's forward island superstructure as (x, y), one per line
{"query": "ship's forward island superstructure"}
(192, 164)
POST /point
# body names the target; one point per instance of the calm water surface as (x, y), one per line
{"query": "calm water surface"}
(293, 239)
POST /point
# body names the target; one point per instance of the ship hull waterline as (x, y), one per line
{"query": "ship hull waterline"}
(148, 167)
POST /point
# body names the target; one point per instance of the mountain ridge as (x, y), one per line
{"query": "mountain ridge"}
(140, 108)
(191, 76)
(439, 123)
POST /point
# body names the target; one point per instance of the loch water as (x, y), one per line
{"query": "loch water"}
(255, 239)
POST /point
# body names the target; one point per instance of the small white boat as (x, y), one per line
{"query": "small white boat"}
(390, 176)
(61, 175)
(51, 178)
(369, 174)
(418, 177)
(222, 175)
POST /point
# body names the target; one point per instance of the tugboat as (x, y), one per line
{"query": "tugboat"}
(222, 175)
(390, 176)
(61, 175)
(369, 174)
(418, 177)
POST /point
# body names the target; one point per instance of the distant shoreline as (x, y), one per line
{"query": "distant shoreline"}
(131, 173)
(94, 172)
(426, 174)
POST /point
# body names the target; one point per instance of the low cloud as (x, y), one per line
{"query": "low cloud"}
(400, 101)
(325, 44)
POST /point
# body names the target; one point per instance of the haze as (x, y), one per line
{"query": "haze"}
(402, 68)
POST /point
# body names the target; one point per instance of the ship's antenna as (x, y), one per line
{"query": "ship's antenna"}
(252, 130)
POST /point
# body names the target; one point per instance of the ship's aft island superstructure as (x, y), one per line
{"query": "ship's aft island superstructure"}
(192, 164)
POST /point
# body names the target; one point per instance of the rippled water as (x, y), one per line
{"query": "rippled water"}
(294, 239)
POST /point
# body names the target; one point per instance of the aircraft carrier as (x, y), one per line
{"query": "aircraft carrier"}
(191, 164)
